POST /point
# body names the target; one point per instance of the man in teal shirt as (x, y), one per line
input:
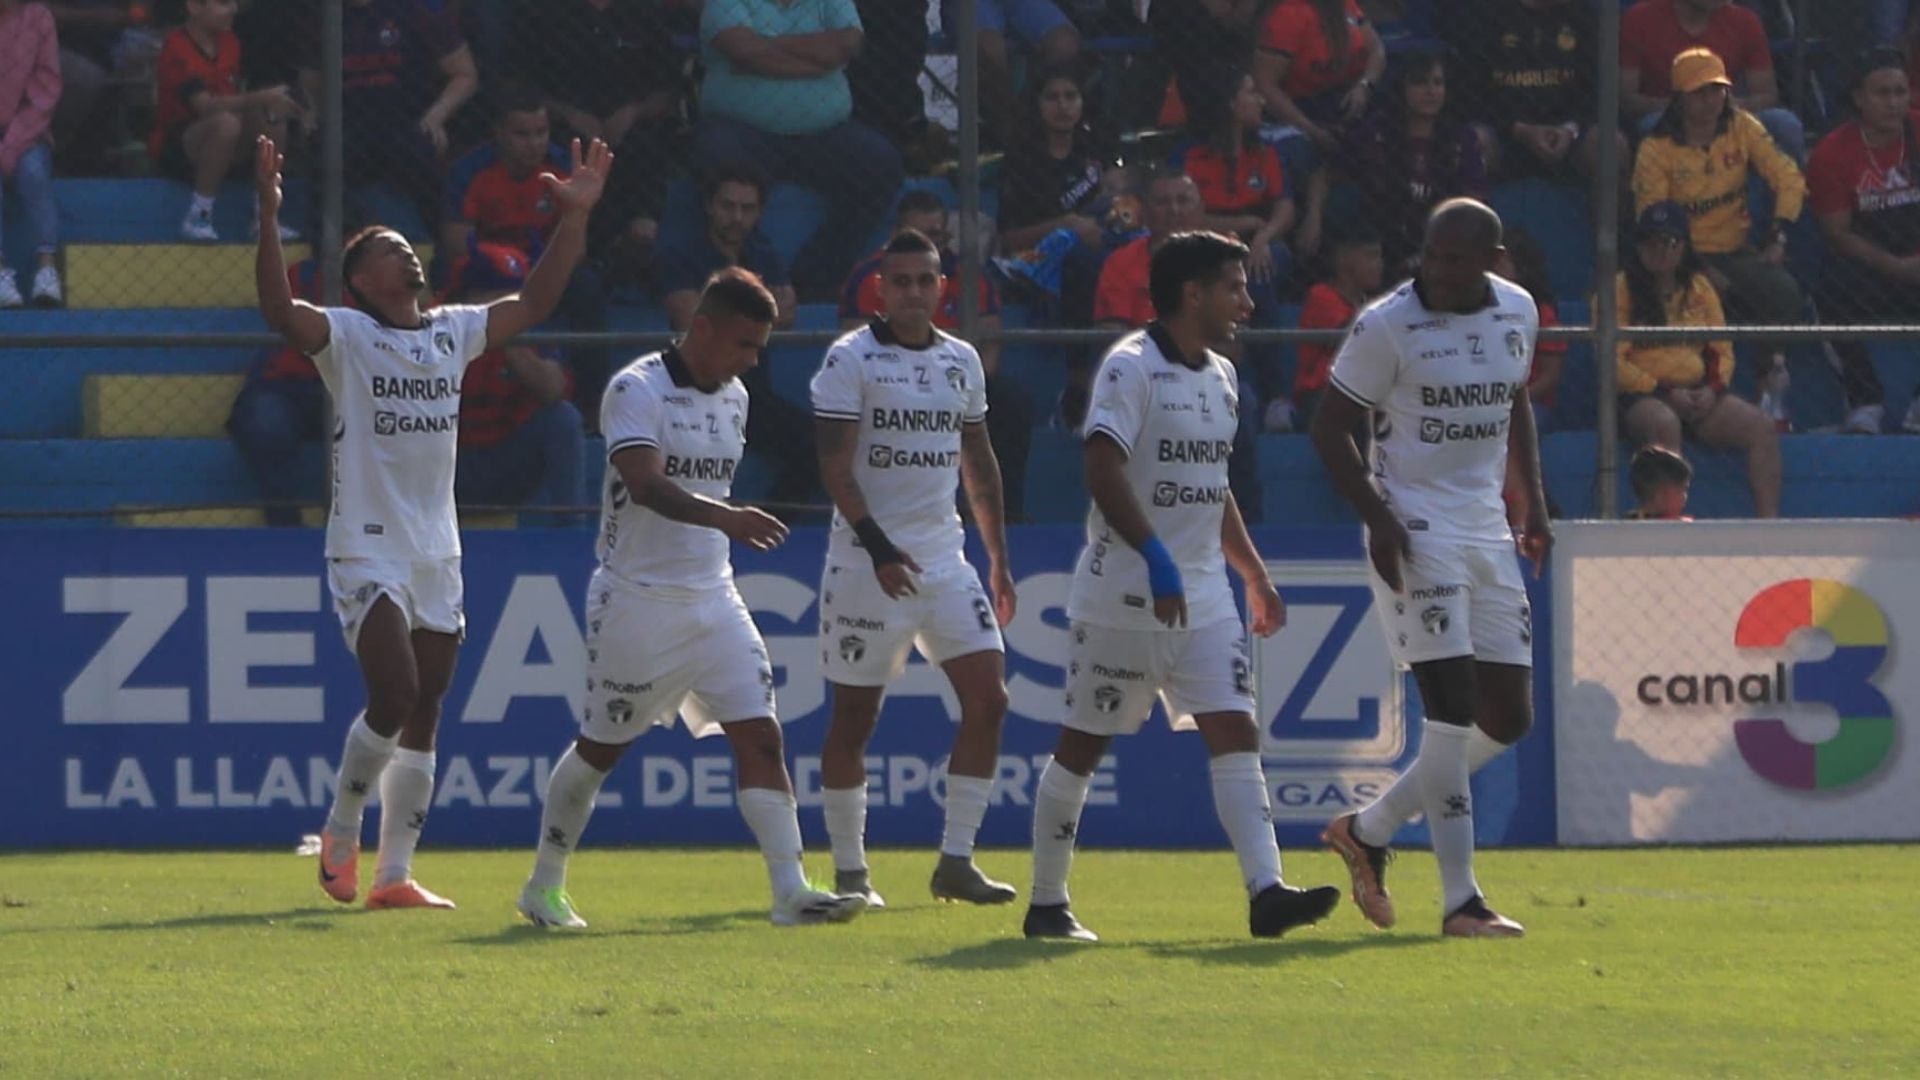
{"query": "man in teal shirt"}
(776, 96)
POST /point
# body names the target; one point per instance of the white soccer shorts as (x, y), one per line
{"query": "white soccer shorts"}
(1114, 676)
(429, 593)
(1457, 600)
(865, 634)
(650, 658)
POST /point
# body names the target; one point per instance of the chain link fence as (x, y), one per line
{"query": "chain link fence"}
(1044, 143)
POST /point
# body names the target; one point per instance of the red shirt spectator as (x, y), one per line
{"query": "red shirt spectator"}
(502, 208)
(184, 71)
(1651, 36)
(1546, 347)
(1123, 295)
(494, 403)
(860, 299)
(1878, 186)
(1249, 183)
(1293, 29)
(1325, 309)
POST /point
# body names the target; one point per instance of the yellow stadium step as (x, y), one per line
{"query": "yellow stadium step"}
(158, 406)
(170, 275)
(489, 519)
(312, 517)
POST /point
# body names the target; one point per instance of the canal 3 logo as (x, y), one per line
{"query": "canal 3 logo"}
(1842, 681)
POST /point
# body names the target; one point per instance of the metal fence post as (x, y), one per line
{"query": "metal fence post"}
(1606, 249)
(333, 157)
(969, 105)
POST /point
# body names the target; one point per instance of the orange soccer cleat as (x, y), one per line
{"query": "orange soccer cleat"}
(405, 894)
(1367, 865)
(339, 869)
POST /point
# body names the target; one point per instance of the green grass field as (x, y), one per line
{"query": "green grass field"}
(1685, 963)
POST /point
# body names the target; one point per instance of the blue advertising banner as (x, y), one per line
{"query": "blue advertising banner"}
(191, 688)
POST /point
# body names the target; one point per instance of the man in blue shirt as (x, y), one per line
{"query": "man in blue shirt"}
(776, 94)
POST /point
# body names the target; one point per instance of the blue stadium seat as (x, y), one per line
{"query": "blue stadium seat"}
(43, 399)
(99, 474)
(1558, 218)
(1055, 491)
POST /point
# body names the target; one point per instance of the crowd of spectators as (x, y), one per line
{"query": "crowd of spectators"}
(1314, 130)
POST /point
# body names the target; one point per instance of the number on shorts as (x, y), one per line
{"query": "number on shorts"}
(984, 612)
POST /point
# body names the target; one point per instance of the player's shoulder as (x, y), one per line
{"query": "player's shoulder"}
(955, 348)
(1509, 298)
(855, 341)
(644, 375)
(1399, 303)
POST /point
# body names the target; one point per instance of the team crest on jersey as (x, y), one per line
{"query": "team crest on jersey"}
(1516, 345)
(1106, 699)
(619, 711)
(443, 342)
(853, 648)
(1436, 620)
(956, 379)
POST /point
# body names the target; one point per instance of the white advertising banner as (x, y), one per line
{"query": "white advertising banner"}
(1736, 681)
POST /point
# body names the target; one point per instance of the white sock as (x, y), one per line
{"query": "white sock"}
(1241, 799)
(1441, 771)
(570, 794)
(1057, 802)
(406, 793)
(201, 204)
(775, 821)
(361, 762)
(846, 812)
(1384, 816)
(967, 798)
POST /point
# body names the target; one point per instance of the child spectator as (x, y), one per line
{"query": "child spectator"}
(29, 91)
(1525, 264)
(1660, 480)
(1356, 268)
(202, 117)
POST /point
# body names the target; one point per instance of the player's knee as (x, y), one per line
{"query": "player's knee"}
(987, 705)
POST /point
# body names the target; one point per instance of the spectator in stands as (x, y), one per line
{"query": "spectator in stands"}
(1411, 155)
(609, 70)
(1525, 264)
(1055, 178)
(1668, 389)
(496, 194)
(1530, 86)
(1038, 25)
(29, 93)
(1864, 185)
(885, 82)
(1357, 265)
(408, 72)
(521, 438)
(1243, 190)
(98, 39)
(202, 117)
(776, 94)
(1009, 415)
(1700, 155)
(1194, 37)
(1318, 64)
(777, 430)
(281, 406)
(1123, 301)
(1660, 480)
(1654, 33)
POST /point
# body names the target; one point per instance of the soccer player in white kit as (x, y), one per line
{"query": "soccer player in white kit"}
(667, 632)
(1150, 607)
(899, 409)
(393, 542)
(1442, 365)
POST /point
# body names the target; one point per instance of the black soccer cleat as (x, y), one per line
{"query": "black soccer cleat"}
(1055, 921)
(1279, 908)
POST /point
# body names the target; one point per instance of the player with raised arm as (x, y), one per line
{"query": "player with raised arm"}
(1442, 365)
(668, 634)
(1151, 608)
(900, 409)
(393, 542)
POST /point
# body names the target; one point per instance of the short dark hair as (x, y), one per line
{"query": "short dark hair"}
(1188, 257)
(739, 294)
(734, 172)
(1472, 214)
(919, 201)
(516, 97)
(910, 242)
(1654, 467)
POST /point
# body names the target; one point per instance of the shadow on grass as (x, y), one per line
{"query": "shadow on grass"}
(716, 922)
(1010, 953)
(300, 918)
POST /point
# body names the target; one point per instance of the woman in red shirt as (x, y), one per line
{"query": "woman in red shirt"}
(1318, 64)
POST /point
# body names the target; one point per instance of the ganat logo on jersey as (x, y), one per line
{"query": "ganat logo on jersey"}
(387, 423)
(1842, 681)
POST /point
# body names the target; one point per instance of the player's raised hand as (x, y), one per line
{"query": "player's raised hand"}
(267, 163)
(1268, 610)
(896, 578)
(1000, 583)
(586, 180)
(1389, 546)
(755, 528)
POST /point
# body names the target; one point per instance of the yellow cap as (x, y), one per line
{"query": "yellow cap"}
(1696, 68)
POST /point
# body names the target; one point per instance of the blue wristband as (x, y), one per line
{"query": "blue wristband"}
(1163, 576)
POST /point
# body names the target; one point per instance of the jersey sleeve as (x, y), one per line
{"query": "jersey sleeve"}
(630, 414)
(1118, 408)
(469, 325)
(343, 337)
(837, 385)
(976, 409)
(1367, 364)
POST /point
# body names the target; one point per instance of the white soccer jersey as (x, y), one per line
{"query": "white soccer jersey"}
(396, 433)
(1176, 424)
(910, 404)
(1441, 386)
(700, 435)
